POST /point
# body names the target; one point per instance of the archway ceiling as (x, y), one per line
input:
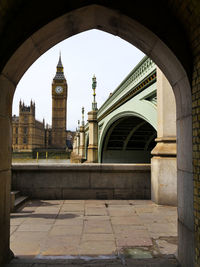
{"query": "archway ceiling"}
(22, 18)
(141, 133)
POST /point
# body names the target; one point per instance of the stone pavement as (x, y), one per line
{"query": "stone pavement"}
(94, 233)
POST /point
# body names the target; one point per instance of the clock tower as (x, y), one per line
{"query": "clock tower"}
(59, 111)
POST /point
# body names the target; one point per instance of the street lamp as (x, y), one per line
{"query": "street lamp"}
(94, 85)
(83, 116)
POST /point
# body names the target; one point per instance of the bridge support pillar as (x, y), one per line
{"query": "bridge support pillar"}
(163, 162)
(93, 137)
(82, 143)
(74, 157)
(77, 143)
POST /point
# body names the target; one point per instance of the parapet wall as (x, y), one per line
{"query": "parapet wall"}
(82, 181)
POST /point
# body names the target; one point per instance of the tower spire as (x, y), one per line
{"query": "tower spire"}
(59, 72)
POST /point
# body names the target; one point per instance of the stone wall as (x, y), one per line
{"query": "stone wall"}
(83, 181)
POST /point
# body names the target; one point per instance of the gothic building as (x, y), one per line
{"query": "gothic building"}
(30, 134)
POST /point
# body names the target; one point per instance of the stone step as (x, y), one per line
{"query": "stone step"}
(16, 193)
(19, 201)
(16, 200)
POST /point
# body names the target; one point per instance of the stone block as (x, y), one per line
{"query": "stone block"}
(183, 97)
(164, 180)
(185, 245)
(5, 143)
(4, 214)
(7, 91)
(185, 199)
(43, 193)
(184, 144)
(111, 180)
(87, 194)
(18, 63)
(123, 193)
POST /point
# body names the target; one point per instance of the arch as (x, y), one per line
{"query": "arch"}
(174, 62)
(127, 141)
(111, 122)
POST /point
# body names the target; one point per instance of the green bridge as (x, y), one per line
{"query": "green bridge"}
(127, 121)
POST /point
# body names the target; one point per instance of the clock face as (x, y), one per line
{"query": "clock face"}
(59, 89)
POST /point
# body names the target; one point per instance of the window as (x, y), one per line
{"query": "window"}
(16, 141)
(25, 130)
(16, 130)
(24, 140)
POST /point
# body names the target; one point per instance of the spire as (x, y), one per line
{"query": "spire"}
(59, 73)
(60, 65)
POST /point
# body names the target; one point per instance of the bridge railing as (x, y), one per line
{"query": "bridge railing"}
(145, 67)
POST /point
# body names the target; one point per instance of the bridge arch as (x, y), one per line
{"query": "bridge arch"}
(112, 121)
(128, 139)
(36, 39)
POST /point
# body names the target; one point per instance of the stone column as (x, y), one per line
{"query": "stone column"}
(7, 90)
(77, 143)
(163, 162)
(93, 137)
(82, 142)
(74, 144)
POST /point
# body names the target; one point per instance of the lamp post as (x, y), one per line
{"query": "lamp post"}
(83, 116)
(94, 85)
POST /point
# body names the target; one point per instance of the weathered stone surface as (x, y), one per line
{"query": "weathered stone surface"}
(61, 232)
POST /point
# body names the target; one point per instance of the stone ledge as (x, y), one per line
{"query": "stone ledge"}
(82, 167)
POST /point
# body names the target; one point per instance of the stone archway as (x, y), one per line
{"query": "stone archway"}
(110, 20)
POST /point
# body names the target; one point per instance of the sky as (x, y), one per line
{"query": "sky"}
(107, 56)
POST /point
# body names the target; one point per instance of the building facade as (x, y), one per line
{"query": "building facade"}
(29, 134)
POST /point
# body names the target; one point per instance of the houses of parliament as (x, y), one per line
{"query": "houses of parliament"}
(30, 134)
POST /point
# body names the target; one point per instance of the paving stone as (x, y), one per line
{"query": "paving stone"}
(60, 230)
(72, 214)
(16, 221)
(141, 202)
(133, 234)
(144, 208)
(72, 207)
(74, 201)
(120, 229)
(103, 227)
(27, 243)
(34, 227)
(62, 219)
(95, 211)
(133, 242)
(157, 230)
(100, 237)
(120, 211)
(97, 218)
(166, 247)
(97, 248)
(12, 229)
(56, 245)
(39, 221)
(117, 202)
(131, 220)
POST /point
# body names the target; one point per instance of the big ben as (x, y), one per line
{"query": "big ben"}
(59, 111)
